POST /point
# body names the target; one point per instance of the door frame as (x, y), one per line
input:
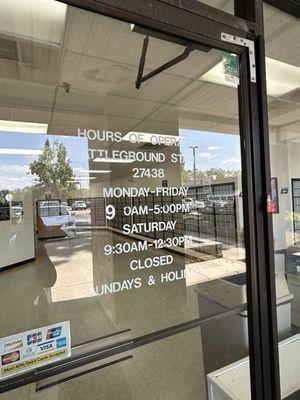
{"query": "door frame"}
(197, 22)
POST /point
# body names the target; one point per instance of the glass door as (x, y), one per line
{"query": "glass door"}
(123, 263)
(284, 110)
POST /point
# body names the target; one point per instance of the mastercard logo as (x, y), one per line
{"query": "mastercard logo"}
(10, 358)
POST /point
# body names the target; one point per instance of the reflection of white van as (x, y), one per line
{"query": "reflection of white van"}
(221, 201)
(79, 205)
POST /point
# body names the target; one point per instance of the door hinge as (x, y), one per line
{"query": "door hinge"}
(251, 48)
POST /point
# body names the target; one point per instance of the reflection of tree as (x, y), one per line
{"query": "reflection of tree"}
(215, 173)
(3, 194)
(54, 171)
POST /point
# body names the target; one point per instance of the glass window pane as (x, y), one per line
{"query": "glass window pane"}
(121, 208)
(283, 82)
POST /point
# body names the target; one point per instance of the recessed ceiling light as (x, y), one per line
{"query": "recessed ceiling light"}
(82, 178)
(23, 152)
(38, 21)
(95, 171)
(282, 78)
(79, 181)
(112, 160)
(23, 127)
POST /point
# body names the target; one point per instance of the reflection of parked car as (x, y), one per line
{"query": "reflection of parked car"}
(18, 211)
(79, 205)
(65, 204)
(188, 200)
(55, 221)
(220, 203)
(198, 204)
(193, 215)
(193, 204)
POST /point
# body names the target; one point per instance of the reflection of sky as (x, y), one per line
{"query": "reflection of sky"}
(14, 168)
(215, 150)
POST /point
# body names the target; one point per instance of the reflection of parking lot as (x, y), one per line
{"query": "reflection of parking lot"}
(82, 217)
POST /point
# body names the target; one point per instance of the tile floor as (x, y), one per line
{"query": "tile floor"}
(60, 285)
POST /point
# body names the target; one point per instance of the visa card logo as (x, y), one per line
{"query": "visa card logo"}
(62, 342)
(53, 332)
(42, 348)
(34, 337)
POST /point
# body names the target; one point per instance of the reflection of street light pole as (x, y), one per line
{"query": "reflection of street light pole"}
(194, 156)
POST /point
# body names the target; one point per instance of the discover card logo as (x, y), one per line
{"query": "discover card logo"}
(13, 345)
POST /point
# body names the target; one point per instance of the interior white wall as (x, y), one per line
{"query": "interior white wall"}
(17, 236)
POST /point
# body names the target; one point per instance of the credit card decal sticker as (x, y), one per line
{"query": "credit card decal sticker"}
(28, 350)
